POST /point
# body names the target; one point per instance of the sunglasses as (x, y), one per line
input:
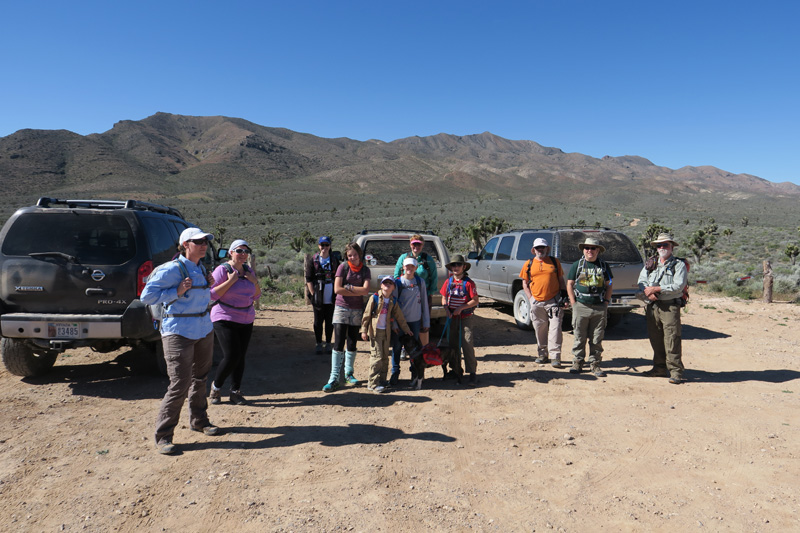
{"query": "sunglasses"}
(662, 245)
(416, 244)
(540, 247)
(324, 244)
(199, 242)
(590, 248)
(242, 251)
(456, 264)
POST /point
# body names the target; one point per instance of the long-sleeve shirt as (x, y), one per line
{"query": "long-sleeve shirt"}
(671, 279)
(162, 288)
(413, 300)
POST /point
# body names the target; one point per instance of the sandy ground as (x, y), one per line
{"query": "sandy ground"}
(530, 449)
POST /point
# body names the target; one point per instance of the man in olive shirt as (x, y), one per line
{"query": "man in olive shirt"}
(589, 290)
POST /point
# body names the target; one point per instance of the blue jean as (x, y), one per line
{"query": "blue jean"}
(397, 348)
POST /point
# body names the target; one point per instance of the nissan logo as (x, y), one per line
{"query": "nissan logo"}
(98, 275)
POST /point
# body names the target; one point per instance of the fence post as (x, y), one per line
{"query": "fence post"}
(767, 281)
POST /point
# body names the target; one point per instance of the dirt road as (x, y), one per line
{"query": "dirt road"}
(530, 449)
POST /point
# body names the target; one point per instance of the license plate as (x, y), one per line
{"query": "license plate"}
(63, 330)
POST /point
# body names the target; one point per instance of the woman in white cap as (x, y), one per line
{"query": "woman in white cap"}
(182, 286)
(235, 289)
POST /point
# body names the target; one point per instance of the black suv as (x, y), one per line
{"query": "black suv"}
(71, 272)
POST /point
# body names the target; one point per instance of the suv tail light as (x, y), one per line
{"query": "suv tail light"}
(141, 276)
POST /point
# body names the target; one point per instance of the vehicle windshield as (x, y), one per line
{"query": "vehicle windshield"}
(385, 252)
(619, 248)
(95, 239)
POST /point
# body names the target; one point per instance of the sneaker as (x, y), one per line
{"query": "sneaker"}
(656, 372)
(542, 360)
(556, 363)
(166, 448)
(320, 349)
(380, 389)
(473, 379)
(215, 396)
(349, 378)
(597, 371)
(237, 398)
(332, 386)
(676, 380)
(394, 379)
(576, 368)
(209, 430)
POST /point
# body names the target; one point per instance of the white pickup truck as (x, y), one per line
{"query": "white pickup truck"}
(382, 248)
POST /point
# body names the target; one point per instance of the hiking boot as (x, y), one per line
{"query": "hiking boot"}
(394, 379)
(320, 349)
(215, 396)
(676, 380)
(473, 379)
(542, 360)
(657, 372)
(597, 371)
(332, 386)
(556, 363)
(379, 389)
(349, 378)
(237, 398)
(209, 430)
(166, 448)
(576, 368)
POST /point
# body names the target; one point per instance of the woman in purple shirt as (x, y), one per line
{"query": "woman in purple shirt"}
(350, 285)
(235, 289)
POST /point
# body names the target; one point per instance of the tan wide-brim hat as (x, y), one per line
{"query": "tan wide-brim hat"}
(458, 258)
(591, 241)
(664, 237)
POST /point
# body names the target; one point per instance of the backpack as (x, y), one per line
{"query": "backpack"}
(582, 270)
(376, 300)
(229, 270)
(650, 265)
(448, 284)
(399, 284)
(159, 311)
(555, 261)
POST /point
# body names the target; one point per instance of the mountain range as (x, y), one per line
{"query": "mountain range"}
(175, 156)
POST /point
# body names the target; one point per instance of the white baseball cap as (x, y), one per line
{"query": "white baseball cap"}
(410, 261)
(540, 242)
(190, 234)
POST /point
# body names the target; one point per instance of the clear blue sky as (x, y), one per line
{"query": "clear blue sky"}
(679, 83)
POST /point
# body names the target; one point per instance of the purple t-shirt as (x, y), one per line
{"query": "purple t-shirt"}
(356, 279)
(240, 295)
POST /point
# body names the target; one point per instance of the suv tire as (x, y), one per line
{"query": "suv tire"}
(21, 360)
(522, 315)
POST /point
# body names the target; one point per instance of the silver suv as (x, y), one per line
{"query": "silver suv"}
(382, 248)
(496, 268)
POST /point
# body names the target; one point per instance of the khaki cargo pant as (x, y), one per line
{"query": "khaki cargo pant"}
(589, 324)
(664, 330)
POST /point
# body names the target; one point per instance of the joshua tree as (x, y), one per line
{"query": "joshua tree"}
(651, 233)
(703, 240)
(792, 251)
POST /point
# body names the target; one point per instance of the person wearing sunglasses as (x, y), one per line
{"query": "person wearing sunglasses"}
(320, 269)
(543, 283)
(183, 288)
(589, 290)
(663, 287)
(235, 289)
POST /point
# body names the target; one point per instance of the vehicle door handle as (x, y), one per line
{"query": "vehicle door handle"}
(99, 292)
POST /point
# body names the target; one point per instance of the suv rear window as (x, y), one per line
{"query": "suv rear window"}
(95, 239)
(619, 248)
(387, 252)
(526, 244)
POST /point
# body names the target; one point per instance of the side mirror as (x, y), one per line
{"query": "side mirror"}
(472, 255)
(222, 253)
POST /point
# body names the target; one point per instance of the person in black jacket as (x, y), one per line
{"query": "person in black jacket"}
(320, 269)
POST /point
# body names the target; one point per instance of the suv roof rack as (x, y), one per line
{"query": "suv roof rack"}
(560, 227)
(406, 230)
(108, 204)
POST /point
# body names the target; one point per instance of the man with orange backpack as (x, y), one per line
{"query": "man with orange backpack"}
(663, 289)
